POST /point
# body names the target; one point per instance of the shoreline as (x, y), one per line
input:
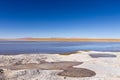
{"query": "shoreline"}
(87, 65)
(63, 53)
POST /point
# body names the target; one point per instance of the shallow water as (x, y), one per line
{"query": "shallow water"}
(18, 47)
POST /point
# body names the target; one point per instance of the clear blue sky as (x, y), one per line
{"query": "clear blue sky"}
(60, 18)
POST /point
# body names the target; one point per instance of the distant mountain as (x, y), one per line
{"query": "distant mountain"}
(71, 39)
(64, 39)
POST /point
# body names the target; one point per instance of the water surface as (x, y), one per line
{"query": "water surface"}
(27, 47)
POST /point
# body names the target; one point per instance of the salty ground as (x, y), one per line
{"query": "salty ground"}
(80, 65)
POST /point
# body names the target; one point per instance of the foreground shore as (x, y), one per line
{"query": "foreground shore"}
(80, 65)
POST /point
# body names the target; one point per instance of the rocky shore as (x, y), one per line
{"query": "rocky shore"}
(80, 65)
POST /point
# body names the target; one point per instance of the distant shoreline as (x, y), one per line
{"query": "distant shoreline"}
(65, 39)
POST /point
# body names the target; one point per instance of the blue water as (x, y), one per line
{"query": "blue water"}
(23, 47)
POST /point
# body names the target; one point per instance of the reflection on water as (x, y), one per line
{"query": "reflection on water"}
(16, 47)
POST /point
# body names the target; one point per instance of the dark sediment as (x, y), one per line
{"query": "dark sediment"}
(68, 53)
(45, 66)
(102, 55)
(77, 72)
(67, 67)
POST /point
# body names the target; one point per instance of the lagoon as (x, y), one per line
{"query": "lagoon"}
(41, 47)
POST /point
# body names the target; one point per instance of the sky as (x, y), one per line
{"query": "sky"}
(60, 18)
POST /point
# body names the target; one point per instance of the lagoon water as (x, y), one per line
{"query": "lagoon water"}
(28, 47)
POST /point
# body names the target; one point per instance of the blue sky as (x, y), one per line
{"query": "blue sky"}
(60, 18)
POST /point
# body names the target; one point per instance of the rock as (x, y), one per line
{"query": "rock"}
(2, 76)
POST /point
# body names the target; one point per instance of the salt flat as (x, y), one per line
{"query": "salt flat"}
(80, 65)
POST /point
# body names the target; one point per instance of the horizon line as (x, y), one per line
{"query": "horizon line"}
(64, 39)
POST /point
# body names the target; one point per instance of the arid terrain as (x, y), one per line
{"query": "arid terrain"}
(80, 65)
(65, 39)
